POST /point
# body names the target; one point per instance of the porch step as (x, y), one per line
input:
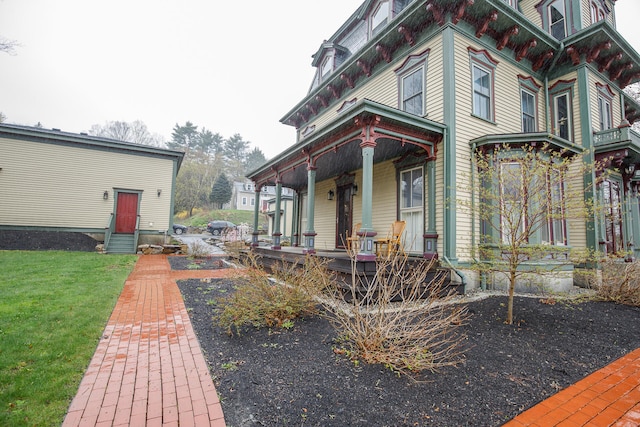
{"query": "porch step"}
(121, 244)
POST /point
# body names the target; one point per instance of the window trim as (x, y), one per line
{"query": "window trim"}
(411, 65)
(605, 98)
(598, 10)
(482, 60)
(559, 89)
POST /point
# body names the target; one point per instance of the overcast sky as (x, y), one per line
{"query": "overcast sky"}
(229, 66)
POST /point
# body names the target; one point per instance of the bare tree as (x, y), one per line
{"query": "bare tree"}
(524, 197)
(8, 46)
(135, 132)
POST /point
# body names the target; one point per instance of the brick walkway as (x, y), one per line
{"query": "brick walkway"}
(148, 368)
(608, 397)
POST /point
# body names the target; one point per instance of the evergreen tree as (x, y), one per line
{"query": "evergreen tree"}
(221, 191)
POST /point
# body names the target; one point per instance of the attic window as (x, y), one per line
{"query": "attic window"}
(379, 18)
(598, 12)
(557, 19)
(327, 66)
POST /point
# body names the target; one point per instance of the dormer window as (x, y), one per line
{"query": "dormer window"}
(512, 3)
(379, 18)
(557, 19)
(327, 66)
(598, 11)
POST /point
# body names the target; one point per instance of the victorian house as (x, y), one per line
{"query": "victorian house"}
(405, 91)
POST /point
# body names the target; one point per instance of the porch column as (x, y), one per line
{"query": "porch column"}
(431, 236)
(295, 225)
(256, 216)
(310, 234)
(635, 220)
(276, 217)
(366, 231)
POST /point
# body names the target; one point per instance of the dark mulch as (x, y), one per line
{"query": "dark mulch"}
(46, 240)
(292, 377)
(183, 262)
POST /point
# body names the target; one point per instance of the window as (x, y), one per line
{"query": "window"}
(244, 201)
(557, 20)
(512, 3)
(411, 84)
(412, 207)
(253, 201)
(598, 12)
(482, 81)
(562, 116)
(604, 109)
(605, 101)
(554, 232)
(612, 216)
(379, 18)
(522, 212)
(327, 67)
(528, 106)
(513, 200)
(412, 92)
(481, 93)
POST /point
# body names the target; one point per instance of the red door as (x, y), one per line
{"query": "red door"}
(126, 213)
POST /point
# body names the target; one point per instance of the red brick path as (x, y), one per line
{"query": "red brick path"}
(148, 368)
(608, 397)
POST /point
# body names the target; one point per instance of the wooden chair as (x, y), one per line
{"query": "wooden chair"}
(393, 242)
(352, 242)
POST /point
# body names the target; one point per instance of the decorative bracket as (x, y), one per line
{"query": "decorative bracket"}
(505, 37)
(484, 24)
(522, 52)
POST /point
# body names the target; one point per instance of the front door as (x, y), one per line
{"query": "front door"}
(126, 213)
(344, 215)
(412, 208)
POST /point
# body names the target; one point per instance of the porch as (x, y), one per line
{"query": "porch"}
(342, 266)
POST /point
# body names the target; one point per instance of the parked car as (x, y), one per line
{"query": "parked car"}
(179, 228)
(218, 226)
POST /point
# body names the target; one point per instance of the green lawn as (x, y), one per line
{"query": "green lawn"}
(53, 309)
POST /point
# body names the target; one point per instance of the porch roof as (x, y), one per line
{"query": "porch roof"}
(554, 141)
(335, 149)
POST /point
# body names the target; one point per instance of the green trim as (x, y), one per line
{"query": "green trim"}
(527, 138)
(586, 129)
(449, 142)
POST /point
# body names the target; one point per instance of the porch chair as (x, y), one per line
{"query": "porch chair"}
(393, 242)
(352, 241)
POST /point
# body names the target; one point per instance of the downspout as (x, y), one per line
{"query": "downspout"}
(483, 281)
(458, 272)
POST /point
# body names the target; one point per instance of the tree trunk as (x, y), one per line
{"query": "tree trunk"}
(512, 287)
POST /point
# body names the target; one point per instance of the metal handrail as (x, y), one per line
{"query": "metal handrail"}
(107, 231)
(135, 234)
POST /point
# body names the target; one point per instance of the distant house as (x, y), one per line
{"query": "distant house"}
(243, 197)
(117, 192)
(406, 90)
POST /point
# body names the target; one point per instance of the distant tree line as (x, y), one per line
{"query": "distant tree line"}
(210, 166)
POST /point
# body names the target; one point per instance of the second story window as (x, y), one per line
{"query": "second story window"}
(528, 105)
(512, 3)
(605, 101)
(481, 92)
(562, 115)
(483, 68)
(412, 91)
(411, 84)
(379, 18)
(557, 19)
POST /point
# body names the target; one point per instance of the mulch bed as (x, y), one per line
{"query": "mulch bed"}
(190, 263)
(46, 240)
(273, 377)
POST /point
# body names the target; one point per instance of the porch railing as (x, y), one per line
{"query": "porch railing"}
(609, 136)
(108, 231)
(136, 233)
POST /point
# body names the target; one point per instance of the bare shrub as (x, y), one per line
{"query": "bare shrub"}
(620, 282)
(198, 249)
(271, 299)
(396, 319)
